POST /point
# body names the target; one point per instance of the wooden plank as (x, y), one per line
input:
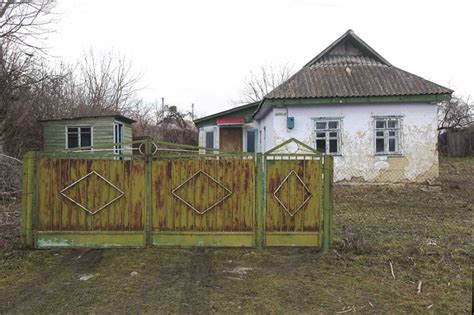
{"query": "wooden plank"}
(28, 197)
(188, 239)
(93, 239)
(327, 211)
(127, 189)
(44, 210)
(56, 187)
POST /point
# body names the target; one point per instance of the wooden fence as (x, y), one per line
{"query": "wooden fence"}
(170, 195)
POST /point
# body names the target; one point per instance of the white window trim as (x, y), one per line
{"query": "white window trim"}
(400, 134)
(116, 150)
(244, 138)
(79, 140)
(339, 133)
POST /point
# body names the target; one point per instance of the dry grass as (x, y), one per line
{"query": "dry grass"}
(425, 232)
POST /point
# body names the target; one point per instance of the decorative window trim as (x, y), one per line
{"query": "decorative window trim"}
(79, 134)
(398, 135)
(327, 135)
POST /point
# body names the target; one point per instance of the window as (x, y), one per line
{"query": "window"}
(209, 139)
(78, 137)
(328, 135)
(250, 140)
(387, 135)
(118, 136)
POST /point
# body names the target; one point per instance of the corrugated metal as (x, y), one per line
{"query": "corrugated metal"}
(353, 76)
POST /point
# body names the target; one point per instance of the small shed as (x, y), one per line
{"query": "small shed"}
(86, 131)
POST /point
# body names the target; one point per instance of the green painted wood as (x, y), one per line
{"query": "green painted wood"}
(249, 216)
(245, 111)
(149, 188)
(327, 202)
(216, 239)
(260, 201)
(54, 239)
(28, 197)
(356, 100)
(54, 132)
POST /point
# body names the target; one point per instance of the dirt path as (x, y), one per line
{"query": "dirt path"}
(195, 299)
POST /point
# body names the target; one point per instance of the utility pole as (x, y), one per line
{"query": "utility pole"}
(192, 111)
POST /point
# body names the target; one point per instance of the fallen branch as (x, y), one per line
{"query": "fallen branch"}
(391, 269)
(419, 286)
(11, 157)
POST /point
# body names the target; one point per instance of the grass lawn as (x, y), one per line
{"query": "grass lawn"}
(424, 232)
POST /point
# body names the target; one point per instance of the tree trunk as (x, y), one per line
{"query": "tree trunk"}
(3, 128)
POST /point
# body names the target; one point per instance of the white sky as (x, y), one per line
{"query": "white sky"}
(201, 51)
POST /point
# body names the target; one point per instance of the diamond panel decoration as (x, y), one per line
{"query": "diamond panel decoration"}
(306, 193)
(85, 177)
(201, 209)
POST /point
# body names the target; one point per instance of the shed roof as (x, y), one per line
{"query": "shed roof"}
(351, 68)
(117, 117)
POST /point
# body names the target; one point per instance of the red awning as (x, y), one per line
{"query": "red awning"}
(230, 120)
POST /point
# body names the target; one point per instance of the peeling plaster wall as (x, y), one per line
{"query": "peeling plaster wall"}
(357, 162)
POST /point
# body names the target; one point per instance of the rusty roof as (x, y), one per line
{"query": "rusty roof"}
(350, 68)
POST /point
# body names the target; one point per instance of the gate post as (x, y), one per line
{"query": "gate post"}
(260, 200)
(148, 185)
(28, 198)
(328, 169)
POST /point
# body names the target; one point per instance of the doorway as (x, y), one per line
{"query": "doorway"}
(230, 139)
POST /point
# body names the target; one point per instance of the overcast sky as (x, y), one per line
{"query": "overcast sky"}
(201, 51)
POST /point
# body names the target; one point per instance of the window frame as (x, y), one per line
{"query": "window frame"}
(79, 127)
(327, 132)
(210, 149)
(118, 149)
(386, 135)
(255, 139)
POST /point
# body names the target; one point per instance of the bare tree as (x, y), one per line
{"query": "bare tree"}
(455, 113)
(109, 82)
(22, 24)
(259, 83)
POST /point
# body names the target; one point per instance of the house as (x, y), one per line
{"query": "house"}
(378, 121)
(86, 131)
(231, 130)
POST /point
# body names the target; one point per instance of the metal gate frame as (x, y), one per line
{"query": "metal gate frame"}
(148, 151)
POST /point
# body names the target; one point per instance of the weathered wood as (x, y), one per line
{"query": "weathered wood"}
(163, 200)
(28, 197)
(327, 202)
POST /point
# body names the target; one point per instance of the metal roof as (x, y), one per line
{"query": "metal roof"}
(350, 68)
(228, 112)
(118, 117)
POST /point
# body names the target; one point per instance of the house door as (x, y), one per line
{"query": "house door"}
(230, 139)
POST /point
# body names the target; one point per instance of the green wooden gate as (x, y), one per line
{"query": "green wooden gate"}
(164, 194)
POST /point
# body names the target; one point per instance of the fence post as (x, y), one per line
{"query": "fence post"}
(260, 200)
(148, 185)
(28, 197)
(327, 202)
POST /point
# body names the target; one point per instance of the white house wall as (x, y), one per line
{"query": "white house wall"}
(419, 157)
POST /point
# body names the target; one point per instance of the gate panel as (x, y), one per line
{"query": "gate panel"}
(90, 203)
(206, 201)
(293, 202)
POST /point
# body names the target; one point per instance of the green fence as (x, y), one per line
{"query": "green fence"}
(152, 193)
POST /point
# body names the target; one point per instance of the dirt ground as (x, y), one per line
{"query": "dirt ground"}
(422, 232)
